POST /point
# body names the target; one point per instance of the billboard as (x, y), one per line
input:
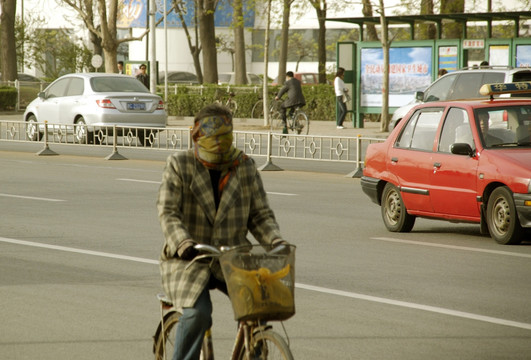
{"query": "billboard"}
(134, 14)
(410, 70)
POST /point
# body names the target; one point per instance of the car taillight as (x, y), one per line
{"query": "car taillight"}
(105, 103)
(161, 105)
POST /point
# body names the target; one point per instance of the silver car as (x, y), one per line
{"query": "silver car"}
(92, 102)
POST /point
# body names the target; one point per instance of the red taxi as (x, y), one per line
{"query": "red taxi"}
(462, 161)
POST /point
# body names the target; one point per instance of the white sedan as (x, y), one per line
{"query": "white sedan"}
(94, 101)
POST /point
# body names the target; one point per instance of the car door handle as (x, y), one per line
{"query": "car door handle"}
(394, 159)
(437, 165)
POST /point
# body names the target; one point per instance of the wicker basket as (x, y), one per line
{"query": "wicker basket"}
(260, 285)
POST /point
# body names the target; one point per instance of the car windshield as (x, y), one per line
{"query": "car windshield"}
(504, 126)
(224, 78)
(117, 84)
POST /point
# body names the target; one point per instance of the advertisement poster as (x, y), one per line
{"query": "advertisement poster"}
(499, 55)
(410, 71)
(523, 56)
(448, 58)
(133, 14)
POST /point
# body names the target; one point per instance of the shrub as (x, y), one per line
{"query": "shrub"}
(8, 98)
(188, 100)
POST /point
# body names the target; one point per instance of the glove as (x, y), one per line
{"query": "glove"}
(187, 251)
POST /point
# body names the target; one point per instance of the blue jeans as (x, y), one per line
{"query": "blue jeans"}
(191, 328)
(342, 110)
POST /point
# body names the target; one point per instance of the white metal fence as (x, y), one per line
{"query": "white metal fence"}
(270, 145)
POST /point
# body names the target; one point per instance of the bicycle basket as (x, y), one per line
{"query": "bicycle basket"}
(260, 285)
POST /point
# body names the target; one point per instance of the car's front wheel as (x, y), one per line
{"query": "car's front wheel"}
(502, 219)
(394, 213)
(32, 129)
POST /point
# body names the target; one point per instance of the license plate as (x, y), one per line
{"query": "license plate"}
(136, 106)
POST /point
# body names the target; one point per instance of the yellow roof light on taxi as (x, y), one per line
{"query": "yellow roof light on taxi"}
(505, 88)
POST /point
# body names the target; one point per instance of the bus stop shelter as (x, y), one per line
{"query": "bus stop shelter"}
(414, 64)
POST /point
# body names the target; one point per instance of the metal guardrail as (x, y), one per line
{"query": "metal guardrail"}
(268, 144)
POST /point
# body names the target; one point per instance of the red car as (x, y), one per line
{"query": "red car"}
(462, 161)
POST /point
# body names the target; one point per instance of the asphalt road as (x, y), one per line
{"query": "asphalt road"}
(80, 239)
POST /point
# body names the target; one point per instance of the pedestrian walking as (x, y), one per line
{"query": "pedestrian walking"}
(341, 97)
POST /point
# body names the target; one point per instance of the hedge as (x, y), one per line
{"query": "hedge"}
(8, 98)
(188, 100)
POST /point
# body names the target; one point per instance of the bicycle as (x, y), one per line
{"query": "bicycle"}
(296, 121)
(260, 286)
(230, 102)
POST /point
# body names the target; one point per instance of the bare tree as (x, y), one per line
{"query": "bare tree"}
(8, 53)
(195, 47)
(106, 30)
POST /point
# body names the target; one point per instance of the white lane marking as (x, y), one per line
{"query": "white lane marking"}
(415, 306)
(453, 247)
(79, 251)
(140, 181)
(31, 198)
(352, 295)
(158, 182)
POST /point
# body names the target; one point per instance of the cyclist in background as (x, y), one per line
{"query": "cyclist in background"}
(212, 194)
(292, 86)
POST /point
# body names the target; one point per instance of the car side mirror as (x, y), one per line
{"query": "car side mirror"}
(42, 95)
(462, 149)
(419, 96)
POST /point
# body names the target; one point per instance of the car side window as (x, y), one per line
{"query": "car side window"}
(76, 87)
(419, 132)
(456, 129)
(58, 89)
(466, 86)
(439, 90)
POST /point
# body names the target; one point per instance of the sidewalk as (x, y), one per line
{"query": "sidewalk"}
(317, 127)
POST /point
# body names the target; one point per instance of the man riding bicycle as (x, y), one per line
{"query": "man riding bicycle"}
(295, 97)
(212, 194)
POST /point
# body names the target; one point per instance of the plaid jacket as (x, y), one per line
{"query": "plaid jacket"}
(187, 211)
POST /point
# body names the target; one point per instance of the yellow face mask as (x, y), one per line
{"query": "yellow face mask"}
(213, 141)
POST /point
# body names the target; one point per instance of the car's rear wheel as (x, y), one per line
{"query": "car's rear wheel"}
(81, 133)
(32, 129)
(502, 219)
(394, 213)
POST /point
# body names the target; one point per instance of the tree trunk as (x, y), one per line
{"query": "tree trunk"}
(207, 34)
(284, 38)
(453, 30)
(385, 81)
(240, 68)
(426, 31)
(109, 34)
(8, 53)
(371, 34)
(321, 41)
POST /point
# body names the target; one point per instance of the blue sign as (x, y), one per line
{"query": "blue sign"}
(134, 14)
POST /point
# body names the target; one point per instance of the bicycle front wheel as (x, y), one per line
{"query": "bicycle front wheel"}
(268, 345)
(164, 341)
(301, 124)
(276, 121)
